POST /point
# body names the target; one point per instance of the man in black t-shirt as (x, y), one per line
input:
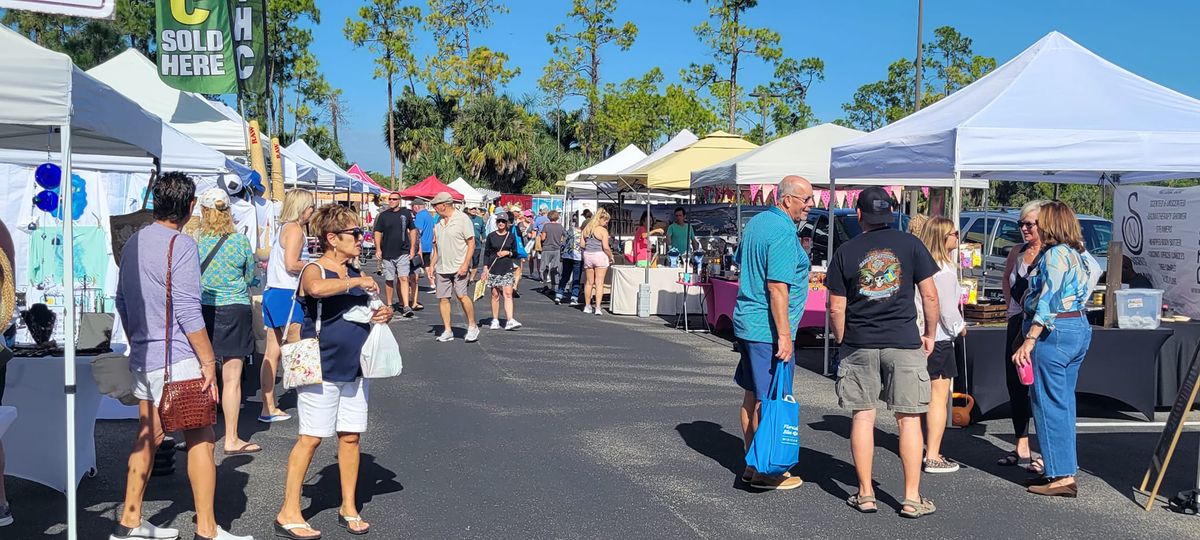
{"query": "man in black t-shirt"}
(871, 279)
(395, 247)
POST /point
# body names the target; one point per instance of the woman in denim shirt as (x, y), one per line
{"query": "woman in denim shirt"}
(1056, 340)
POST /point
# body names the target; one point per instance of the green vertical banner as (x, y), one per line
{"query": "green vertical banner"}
(250, 44)
(195, 46)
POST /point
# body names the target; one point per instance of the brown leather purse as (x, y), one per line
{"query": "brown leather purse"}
(184, 405)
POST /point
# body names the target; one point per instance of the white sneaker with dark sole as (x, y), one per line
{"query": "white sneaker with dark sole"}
(512, 325)
(472, 335)
(446, 336)
(145, 531)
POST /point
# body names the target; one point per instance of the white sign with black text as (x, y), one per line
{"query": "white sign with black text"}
(1160, 228)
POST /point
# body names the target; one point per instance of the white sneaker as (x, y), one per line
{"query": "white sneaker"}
(599, 311)
(512, 325)
(145, 531)
(223, 534)
(472, 334)
(574, 302)
(448, 335)
(587, 309)
(495, 324)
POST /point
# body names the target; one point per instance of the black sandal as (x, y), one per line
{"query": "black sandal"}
(285, 531)
(1010, 459)
(346, 521)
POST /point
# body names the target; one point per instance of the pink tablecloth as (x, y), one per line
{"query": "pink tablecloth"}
(723, 296)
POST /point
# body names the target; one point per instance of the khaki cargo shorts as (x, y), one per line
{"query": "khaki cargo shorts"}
(897, 377)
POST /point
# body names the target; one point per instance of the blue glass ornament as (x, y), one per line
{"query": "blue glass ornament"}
(48, 175)
(46, 201)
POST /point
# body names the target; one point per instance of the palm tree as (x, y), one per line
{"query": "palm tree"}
(493, 137)
(418, 127)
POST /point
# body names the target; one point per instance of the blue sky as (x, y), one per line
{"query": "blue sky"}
(857, 39)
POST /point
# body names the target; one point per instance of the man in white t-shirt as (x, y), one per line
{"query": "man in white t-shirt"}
(453, 248)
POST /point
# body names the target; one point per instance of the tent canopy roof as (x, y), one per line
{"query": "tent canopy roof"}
(43, 88)
(362, 176)
(327, 177)
(680, 141)
(469, 193)
(1057, 112)
(617, 162)
(673, 172)
(804, 153)
(427, 188)
(136, 76)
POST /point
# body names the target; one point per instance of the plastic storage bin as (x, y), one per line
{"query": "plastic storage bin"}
(1139, 308)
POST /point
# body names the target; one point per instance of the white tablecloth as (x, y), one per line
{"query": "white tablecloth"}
(665, 294)
(35, 446)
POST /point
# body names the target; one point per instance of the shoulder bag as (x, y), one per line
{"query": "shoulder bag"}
(212, 254)
(185, 405)
(301, 364)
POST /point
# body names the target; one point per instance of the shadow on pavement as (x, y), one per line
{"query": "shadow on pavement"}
(326, 492)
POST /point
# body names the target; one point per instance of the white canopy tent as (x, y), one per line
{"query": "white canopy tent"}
(471, 196)
(582, 180)
(328, 178)
(1057, 112)
(48, 104)
(804, 153)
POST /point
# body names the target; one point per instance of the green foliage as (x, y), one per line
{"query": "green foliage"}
(458, 68)
(548, 164)
(441, 160)
(320, 139)
(494, 138)
(637, 112)
(575, 68)
(728, 43)
(419, 126)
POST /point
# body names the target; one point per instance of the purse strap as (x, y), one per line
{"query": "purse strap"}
(212, 254)
(296, 294)
(169, 316)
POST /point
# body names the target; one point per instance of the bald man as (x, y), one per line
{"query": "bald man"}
(770, 301)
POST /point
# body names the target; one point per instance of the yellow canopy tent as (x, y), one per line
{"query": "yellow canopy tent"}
(674, 172)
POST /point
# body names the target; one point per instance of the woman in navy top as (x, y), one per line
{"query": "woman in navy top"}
(332, 289)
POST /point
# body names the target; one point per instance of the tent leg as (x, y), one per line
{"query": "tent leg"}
(69, 326)
(828, 257)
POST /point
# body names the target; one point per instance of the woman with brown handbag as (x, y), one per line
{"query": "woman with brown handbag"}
(174, 369)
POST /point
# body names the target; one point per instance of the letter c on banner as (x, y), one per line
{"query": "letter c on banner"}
(181, 13)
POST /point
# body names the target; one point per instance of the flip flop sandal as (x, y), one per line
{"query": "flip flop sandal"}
(245, 449)
(285, 531)
(921, 508)
(859, 502)
(346, 521)
(1010, 459)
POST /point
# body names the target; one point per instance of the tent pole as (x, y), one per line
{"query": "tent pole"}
(828, 257)
(69, 324)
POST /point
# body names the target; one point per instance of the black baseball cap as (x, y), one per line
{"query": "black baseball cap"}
(876, 206)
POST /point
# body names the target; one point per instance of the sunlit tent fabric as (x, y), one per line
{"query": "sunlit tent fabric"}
(607, 182)
(43, 88)
(356, 185)
(328, 179)
(617, 162)
(179, 153)
(471, 196)
(674, 172)
(361, 175)
(136, 77)
(1055, 113)
(427, 188)
(804, 153)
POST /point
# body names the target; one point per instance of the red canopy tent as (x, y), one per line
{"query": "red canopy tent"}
(427, 188)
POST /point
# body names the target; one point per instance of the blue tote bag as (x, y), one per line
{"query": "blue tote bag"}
(776, 444)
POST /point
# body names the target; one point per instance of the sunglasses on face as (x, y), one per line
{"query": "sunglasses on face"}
(393, 198)
(357, 232)
(952, 233)
(1027, 224)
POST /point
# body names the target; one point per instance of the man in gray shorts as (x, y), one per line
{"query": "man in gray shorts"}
(871, 282)
(395, 246)
(453, 247)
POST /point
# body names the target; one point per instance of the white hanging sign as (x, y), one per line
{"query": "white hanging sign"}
(1160, 228)
(95, 9)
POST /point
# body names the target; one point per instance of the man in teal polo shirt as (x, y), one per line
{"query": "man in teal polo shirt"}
(771, 293)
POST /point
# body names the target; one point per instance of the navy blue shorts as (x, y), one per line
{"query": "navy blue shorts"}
(757, 367)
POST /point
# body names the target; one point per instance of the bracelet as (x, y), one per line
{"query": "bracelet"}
(347, 286)
(1030, 336)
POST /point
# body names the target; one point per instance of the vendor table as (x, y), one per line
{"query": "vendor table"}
(35, 446)
(723, 296)
(1174, 359)
(1120, 364)
(665, 292)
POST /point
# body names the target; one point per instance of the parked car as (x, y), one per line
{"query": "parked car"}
(998, 233)
(847, 227)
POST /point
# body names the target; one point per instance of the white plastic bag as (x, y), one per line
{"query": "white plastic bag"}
(381, 354)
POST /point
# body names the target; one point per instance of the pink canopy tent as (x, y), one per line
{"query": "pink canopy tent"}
(427, 188)
(362, 176)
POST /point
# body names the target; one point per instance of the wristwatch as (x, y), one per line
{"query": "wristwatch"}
(1030, 336)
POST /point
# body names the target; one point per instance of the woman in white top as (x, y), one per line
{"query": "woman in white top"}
(281, 315)
(940, 236)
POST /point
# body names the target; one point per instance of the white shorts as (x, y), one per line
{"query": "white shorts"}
(148, 385)
(332, 407)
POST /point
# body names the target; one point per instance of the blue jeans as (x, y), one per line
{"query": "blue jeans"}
(572, 272)
(1056, 362)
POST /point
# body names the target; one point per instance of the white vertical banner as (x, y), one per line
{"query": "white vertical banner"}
(1160, 228)
(95, 9)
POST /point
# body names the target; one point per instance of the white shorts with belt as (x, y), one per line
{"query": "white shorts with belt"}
(148, 385)
(332, 407)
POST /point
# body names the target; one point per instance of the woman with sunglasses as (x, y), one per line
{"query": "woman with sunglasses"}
(330, 289)
(1014, 285)
(940, 236)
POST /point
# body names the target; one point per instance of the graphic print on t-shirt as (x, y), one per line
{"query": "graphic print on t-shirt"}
(879, 274)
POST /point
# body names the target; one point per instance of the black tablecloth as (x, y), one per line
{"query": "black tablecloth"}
(1174, 358)
(1119, 365)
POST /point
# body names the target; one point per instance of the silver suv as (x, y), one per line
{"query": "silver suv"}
(998, 233)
